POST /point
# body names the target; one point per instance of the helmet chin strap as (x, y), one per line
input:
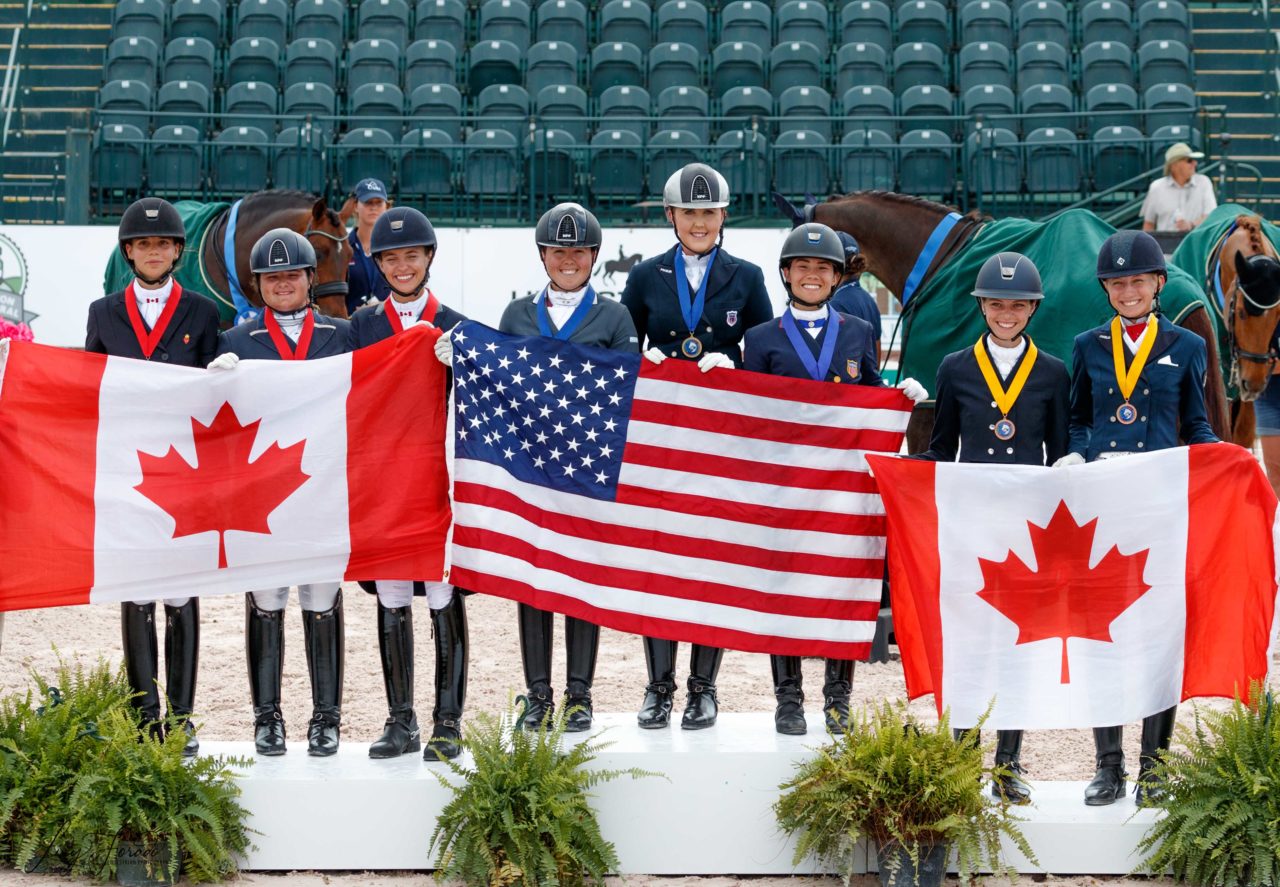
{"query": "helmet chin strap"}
(676, 231)
(411, 294)
(163, 277)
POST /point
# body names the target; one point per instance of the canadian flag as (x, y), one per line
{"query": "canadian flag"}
(127, 480)
(1081, 597)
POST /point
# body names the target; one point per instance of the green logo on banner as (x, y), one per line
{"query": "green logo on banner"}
(13, 283)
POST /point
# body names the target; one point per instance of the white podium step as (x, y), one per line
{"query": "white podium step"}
(711, 815)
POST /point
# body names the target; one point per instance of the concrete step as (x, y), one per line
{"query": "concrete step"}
(64, 54)
(1262, 125)
(57, 96)
(12, 14)
(1223, 17)
(72, 14)
(81, 76)
(1252, 38)
(1229, 58)
(1254, 81)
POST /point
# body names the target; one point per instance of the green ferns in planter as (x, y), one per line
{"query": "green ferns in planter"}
(522, 815)
(902, 784)
(1221, 823)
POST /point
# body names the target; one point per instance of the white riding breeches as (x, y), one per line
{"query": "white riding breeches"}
(316, 597)
(168, 602)
(399, 593)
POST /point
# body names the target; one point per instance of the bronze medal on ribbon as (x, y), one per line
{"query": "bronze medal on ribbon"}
(691, 347)
(1005, 429)
(1126, 413)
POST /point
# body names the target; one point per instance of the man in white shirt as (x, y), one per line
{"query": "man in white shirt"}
(1182, 198)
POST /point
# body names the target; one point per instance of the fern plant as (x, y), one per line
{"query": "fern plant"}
(903, 785)
(521, 815)
(1221, 823)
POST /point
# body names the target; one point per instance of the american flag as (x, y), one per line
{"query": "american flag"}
(730, 508)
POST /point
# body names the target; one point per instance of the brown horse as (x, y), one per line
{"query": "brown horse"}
(302, 212)
(892, 230)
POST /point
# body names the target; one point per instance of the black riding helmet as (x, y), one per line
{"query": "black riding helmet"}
(283, 249)
(568, 225)
(1009, 276)
(812, 240)
(1127, 253)
(402, 227)
(696, 186)
(151, 217)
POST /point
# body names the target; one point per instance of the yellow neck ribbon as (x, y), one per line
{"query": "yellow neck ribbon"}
(1128, 380)
(1005, 399)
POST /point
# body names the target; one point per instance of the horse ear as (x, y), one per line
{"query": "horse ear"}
(348, 210)
(319, 209)
(788, 210)
(1243, 271)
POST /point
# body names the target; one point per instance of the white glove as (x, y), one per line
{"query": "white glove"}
(226, 361)
(713, 359)
(655, 356)
(1068, 460)
(444, 349)
(914, 391)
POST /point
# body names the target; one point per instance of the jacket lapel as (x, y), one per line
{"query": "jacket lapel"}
(668, 261)
(179, 318)
(722, 271)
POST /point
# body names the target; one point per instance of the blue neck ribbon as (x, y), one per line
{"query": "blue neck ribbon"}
(819, 367)
(925, 259)
(691, 309)
(575, 319)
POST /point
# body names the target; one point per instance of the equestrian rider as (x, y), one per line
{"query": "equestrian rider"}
(811, 340)
(403, 244)
(693, 302)
(850, 297)
(365, 285)
(568, 309)
(154, 319)
(1137, 385)
(284, 267)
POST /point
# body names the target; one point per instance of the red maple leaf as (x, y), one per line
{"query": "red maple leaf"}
(223, 490)
(1064, 597)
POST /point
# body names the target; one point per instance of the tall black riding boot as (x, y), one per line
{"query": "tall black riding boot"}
(788, 688)
(323, 635)
(660, 660)
(836, 686)
(181, 658)
(1012, 787)
(700, 707)
(582, 643)
(142, 662)
(400, 734)
(264, 646)
(1157, 732)
(452, 654)
(1108, 784)
(535, 650)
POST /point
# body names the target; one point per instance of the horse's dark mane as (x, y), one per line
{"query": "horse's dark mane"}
(905, 199)
(288, 196)
(1252, 226)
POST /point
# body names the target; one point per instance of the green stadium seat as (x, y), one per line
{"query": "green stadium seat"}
(627, 21)
(384, 20)
(867, 21)
(553, 166)
(794, 64)
(1042, 62)
(870, 105)
(742, 157)
(426, 164)
(988, 99)
(124, 102)
(1169, 104)
(616, 64)
(616, 165)
(190, 58)
(926, 164)
(254, 59)
(1110, 104)
(804, 108)
(320, 19)
(505, 20)
(316, 100)
(563, 107)
(1109, 20)
(919, 64)
(297, 159)
(1119, 154)
(861, 64)
(438, 106)
(1053, 161)
(429, 61)
(985, 64)
(1043, 21)
(867, 160)
(365, 152)
(625, 108)
(185, 97)
(736, 64)
(1105, 62)
(240, 159)
(564, 21)
(550, 63)
(800, 163)
(925, 106)
(492, 62)
(491, 165)
(1163, 61)
(196, 18)
(1047, 98)
(992, 165)
(683, 21)
(311, 60)
(747, 107)
(924, 21)
(673, 64)
(685, 107)
(748, 21)
(669, 150)
(504, 106)
(175, 166)
(444, 20)
(372, 61)
(1165, 136)
(1163, 20)
(262, 18)
(139, 18)
(805, 21)
(118, 157)
(251, 104)
(986, 21)
(132, 58)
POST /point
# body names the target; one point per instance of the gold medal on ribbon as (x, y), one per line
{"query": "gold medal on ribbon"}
(1127, 413)
(1005, 399)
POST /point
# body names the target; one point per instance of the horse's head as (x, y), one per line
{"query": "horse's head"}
(325, 231)
(1254, 299)
(795, 214)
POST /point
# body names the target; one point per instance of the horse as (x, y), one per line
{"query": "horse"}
(622, 264)
(928, 254)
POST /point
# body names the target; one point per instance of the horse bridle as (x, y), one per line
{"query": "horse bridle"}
(333, 287)
(1270, 358)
